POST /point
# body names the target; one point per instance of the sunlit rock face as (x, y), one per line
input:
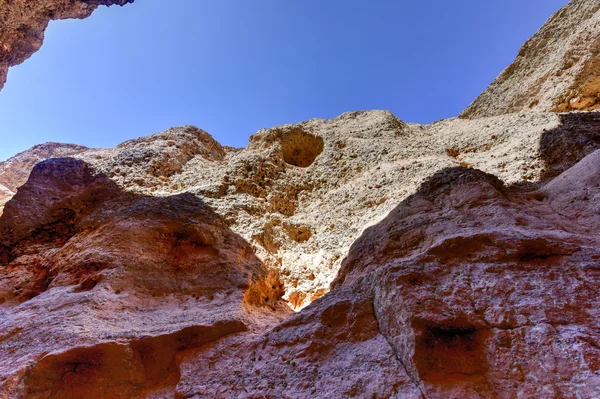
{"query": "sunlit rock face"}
(486, 290)
(467, 289)
(359, 256)
(101, 290)
(557, 70)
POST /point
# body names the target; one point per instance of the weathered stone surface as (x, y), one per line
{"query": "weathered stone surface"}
(484, 290)
(169, 266)
(468, 289)
(301, 220)
(102, 289)
(15, 171)
(556, 70)
(120, 249)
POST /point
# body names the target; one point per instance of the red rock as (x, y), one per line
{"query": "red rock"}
(468, 289)
(97, 276)
(165, 267)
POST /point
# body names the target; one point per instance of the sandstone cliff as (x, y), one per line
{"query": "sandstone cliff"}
(556, 70)
(354, 257)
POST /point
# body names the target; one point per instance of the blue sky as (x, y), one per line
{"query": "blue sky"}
(232, 67)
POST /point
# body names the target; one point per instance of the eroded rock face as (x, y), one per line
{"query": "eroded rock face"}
(466, 279)
(556, 70)
(14, 172)
(171, 235)
(23, 22)
(467, 289)
(131, 280)
(302, 194)
(485, 289)
(170, 265)
(302, 219)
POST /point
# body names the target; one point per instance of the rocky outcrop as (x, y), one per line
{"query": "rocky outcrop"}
(463, 271)
(451, 260)
(302, 194)
(467, 289)
(14, 172)
(23, 22)
(556, 70)
(301, 218)
(99, 285)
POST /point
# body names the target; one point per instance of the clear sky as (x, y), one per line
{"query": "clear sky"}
(232, 67)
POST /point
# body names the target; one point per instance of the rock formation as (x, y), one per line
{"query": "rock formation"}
(354, 257)
(15, 171)
(556, 70)
(127, 282)
(23, 22)
(467, 289)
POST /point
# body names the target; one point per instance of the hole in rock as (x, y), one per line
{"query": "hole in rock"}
(298, 233)
(5, 255)
(301, 148)
(453, 353)
(539, 250)
(265, 291)
(89, 283)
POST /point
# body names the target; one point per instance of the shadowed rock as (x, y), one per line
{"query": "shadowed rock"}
(125, 276)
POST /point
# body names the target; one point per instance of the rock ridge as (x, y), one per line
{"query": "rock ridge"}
(556, 70)
(359, 256)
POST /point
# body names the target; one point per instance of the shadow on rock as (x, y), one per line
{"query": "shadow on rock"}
(117, 270)
(471, 278)
(576, 137)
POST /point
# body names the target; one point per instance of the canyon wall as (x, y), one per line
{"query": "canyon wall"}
(360, 256)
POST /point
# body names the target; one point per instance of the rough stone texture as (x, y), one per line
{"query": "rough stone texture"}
(484, 290)
(23, 22)
(558, 69)
(135, 249)
(125, 281)
(468, 289)
(301, 220)
(171, 266)
(15, 171)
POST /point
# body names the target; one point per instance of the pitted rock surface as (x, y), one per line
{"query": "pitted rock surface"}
(359, 256)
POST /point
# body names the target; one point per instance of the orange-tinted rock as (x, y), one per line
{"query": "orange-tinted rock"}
(556, 70)
(484, 290)
(332, 349)
(92, 276)
(156, 269)
(468, 289)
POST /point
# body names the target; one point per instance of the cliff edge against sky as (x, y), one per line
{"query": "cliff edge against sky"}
(360, 256)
